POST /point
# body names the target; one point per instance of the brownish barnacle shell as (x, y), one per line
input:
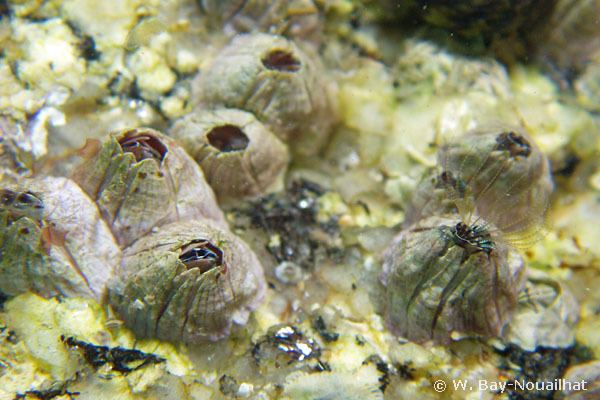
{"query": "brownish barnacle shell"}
(240, 157)
(298, 18)
(279, 83)
(441, 279)
(189, 282)
(502, 174)
(141, 179)
(53, 241)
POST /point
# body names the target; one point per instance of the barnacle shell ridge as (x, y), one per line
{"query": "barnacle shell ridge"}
(238, 154)
(189, 282)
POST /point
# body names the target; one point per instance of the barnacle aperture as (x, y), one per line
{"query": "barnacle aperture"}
(506, 177)
(53, 241)
(141, 179)
(271, 77)
(239, 155)
(444, 275)
(187, 282)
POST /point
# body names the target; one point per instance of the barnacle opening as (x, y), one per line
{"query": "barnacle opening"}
(143, 146)
(228, 138)
(473, 238)
(515, 144)
(19, 204)
(281, 60)
(201, 254)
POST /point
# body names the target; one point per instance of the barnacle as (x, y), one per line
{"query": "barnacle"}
(546, 314)
(444, 275)
(299, 18)
(53, 241)
(187, 282)
(239, 155)
(141, 179)
(355, 385)
(500, 173)
(274, 79)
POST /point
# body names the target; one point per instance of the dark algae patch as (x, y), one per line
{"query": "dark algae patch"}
(545, 364)
(118, 358)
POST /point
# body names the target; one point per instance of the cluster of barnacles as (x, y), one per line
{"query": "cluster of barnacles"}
(454, 269)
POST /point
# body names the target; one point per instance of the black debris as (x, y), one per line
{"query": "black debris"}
(292, 216)
(327, 335)
(228, 385)
(88, 50)
(382, 367)
(119, 358)
(542, 365)
(58, 389)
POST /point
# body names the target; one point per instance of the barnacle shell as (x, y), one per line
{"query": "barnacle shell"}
(506, 176)
(16, 156)
(188, 282)
(299, 18)
(546, 315)
(53, 241)
(238, 154)
(141, 179)
(436, 286)
(355, 385)
(274, 79)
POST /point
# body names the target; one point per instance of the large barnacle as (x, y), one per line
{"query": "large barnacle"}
(141, 179)
(274, 79)
(53, 241)
(444, 275)
(187, 282)
(239, 155)
(298, 18)
(502, 174)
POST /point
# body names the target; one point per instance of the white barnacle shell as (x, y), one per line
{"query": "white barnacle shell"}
(53, 241)
(189, 282)
(274, 79)
(340, 385)
(240, 157)
(298, 18)
(546, 314)
(141, 179)
(502, 174)
(442, 275)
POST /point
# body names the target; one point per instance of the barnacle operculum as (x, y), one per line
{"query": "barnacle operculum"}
(53, 241)
(506, 176)
(516, 144)
(443, 275)
(275, 80)
(281, 60)
(141, 179)
(238, 154)
(187, 282)
(201, 254)
(143, 146)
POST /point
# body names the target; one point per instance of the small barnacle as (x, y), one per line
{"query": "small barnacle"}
(502, 175)
(444, 275)
(285, 342)
(53, 241)
(189, 282)
(346, 385)
(238, 154)
(546, 315)
(299, 18)
(141, 179)
(274, 79)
